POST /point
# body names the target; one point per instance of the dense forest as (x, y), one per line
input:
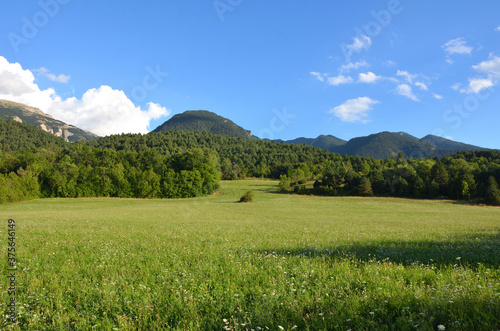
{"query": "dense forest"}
(186, 164)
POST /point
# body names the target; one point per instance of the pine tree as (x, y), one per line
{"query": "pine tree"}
(364, 188)
(492, 192)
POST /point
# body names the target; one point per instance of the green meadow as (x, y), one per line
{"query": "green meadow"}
(282, 262)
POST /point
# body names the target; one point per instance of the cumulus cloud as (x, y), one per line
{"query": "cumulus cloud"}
(339, 80)
(102, 110)
(406, 90)
(498, 28)
(354, 110)
(368, 77)
(490, 70)
(476, 85)
(18, 84)
(437, 96)
(61, 78)
(457, 46)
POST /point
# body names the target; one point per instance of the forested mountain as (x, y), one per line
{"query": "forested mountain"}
(35, 117)
(326, 142)
(204, 121)
(15, 136)
(405, 134)
(387, 144)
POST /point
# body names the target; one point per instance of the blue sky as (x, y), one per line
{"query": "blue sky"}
(283, 69)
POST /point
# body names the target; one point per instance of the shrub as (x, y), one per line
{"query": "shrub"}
(248, 197)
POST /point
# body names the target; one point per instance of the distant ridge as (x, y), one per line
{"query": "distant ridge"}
(326, 142)
(204, 121)
(404, 134)
(444, 143)
(35, 117)
(389, 144)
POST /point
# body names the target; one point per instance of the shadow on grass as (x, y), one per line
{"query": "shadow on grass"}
(470, 250)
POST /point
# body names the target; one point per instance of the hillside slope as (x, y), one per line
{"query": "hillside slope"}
(15, 136)
(35, 117)
(326, 142)
(444, 143)
(204, 121)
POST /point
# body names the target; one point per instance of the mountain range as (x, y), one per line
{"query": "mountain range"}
(380, 145)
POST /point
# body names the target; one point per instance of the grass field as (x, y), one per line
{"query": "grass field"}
(283, 262)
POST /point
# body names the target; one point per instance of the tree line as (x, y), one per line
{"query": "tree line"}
(185, 164)
(83, 171)
(462, 176)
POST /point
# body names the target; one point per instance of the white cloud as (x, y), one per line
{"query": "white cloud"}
(406, 90)
(437, 96)
(61, 78)
(457, 46)
(422, 86)
(17, 84)
(476, 85)
(103, 111)
(490, 69)
(318, 76)
(340, 79)
(409, 77)
(390, 63)
(350, 66)
(354, 110)
(456, 87)
(498, 28)
(368, 77)
(360, 43)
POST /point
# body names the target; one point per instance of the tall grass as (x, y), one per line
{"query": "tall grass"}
(285, 261)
